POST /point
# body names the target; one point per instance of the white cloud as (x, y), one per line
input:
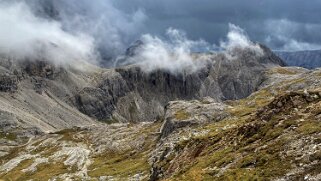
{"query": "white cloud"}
(25, 36)
(112, 29)
(238, 39)
(176, 53)
(82, 30)
(294, 45)
(283, 31)
(173, 55)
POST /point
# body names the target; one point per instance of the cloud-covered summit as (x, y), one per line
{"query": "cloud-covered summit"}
(101, 30)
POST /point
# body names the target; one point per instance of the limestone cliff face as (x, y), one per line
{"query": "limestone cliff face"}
(50, 97)
(34, 95)
(130, 94)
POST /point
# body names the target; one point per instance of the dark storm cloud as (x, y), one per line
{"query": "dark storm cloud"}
(279, 23)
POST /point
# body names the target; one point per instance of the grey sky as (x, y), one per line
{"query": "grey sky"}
(287, 24)
(105, 28)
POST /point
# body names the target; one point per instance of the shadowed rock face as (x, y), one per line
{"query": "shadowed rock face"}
(8, 83)
(241, 77)
(34, 94)
(130, 94)
(135, 95)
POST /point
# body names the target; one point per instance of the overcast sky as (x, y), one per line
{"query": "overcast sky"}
(282, 24)
(104, 29)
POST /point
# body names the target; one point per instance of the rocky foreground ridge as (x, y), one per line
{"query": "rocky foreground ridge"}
(244, 119)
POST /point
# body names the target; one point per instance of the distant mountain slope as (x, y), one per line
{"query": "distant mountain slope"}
(307, 59)
(37, 94)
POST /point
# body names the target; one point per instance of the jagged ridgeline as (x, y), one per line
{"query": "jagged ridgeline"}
(67, 97)
(237, 118)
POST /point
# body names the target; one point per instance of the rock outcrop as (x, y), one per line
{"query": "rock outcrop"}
(34, 95)
(8, 83)
(180, 114)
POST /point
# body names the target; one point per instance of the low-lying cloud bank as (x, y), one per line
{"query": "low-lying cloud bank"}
(63, 32)
(282, 32)
(173, 54)
(26, 36)
(69, 32)
(177, 53)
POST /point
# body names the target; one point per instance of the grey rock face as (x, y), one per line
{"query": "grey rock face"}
(40, 69)
(64, 96)
(8, 121)
(180, 114)
(34, 96)
(8, 83)
(270, 57)
(138, 96)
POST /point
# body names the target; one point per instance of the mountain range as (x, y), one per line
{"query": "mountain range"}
(308, 59)
(245, 118)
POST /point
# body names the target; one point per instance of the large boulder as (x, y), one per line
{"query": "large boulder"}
(180, 114)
